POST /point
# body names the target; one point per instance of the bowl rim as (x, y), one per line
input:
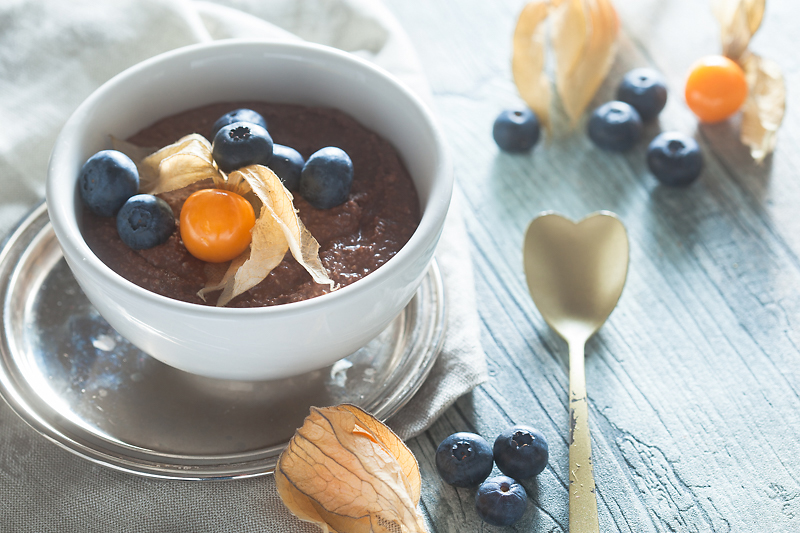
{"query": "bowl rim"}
(429, 228)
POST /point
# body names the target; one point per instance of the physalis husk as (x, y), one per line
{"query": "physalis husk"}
(277, 230)
(765, 106)
(348, 473)
(583, 37)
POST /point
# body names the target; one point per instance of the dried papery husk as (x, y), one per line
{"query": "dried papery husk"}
(738, 20)
(347, 472)
(178, 165)
(277, 229)
(764, 107)
(528, 59)
(584, 40)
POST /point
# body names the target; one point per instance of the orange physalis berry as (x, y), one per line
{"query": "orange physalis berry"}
(215, 224)
(716, 88)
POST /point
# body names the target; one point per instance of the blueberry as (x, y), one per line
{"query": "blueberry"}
(106, 181)
(464, 459)
(516, 130)
(615, 126)
(287, 163)
(145, 221)
(674, 159)
(326, 178)
(645, 90)
(240, 144)
(238, 115)
(520, 452)
(501, 501)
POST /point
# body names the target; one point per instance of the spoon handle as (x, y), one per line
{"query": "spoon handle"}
(582, 498)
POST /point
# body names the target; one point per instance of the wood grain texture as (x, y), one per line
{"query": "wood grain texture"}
(694, 382)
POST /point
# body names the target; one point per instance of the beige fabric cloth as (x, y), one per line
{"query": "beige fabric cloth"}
(52, 55)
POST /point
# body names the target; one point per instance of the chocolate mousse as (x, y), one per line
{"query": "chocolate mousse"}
(377, 219)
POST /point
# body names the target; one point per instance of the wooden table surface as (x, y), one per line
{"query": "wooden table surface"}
(694, 381)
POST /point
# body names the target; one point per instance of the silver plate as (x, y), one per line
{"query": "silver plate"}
(74, 379)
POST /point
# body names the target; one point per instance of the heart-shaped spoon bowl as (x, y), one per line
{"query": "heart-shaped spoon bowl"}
(576, 272)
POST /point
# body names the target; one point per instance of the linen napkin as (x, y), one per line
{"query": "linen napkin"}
(53, 54)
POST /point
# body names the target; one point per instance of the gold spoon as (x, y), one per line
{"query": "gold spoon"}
(575, 275)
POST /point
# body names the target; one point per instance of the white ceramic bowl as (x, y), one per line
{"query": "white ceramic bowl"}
(261, 343)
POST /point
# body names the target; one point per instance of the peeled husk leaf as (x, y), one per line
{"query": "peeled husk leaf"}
(583, 40)
(739, 20)
(178, 165)
(765, 106)
(528, 59)
(277, 230)
(348, 473)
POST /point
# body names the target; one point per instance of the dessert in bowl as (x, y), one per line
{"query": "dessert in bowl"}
(261, 342)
